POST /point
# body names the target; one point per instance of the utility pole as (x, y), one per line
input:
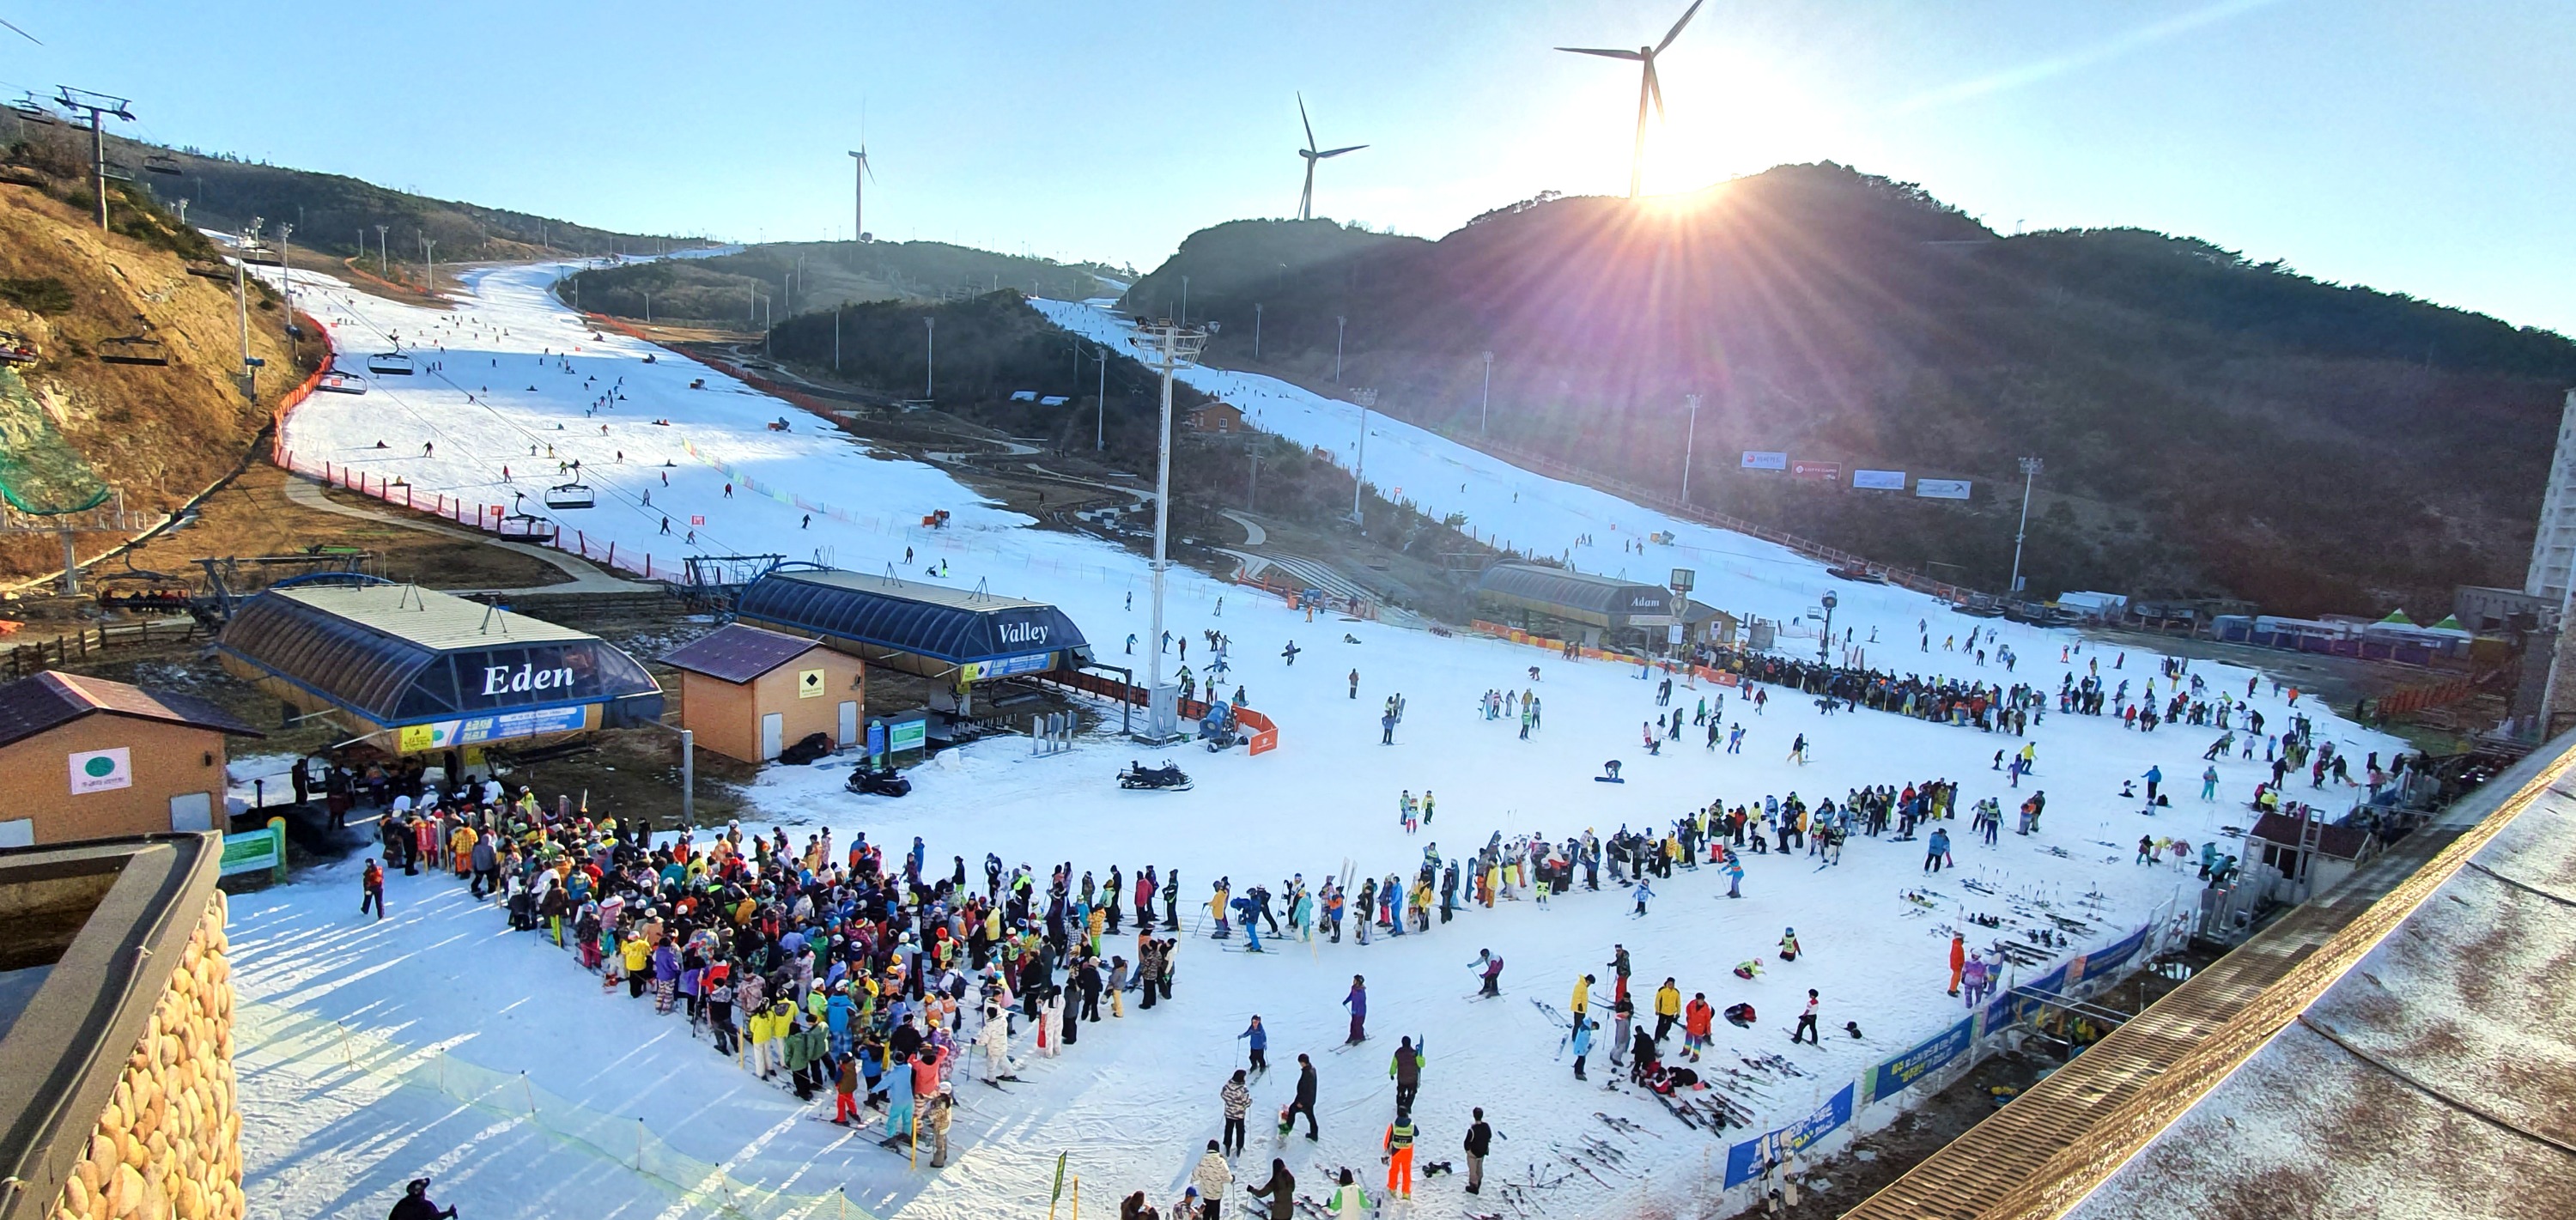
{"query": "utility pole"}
(1366, 399)
(429, 257)
(1256, 330)
(930, 357)
(1177, 348)
(1689, 438)
(97, 104)
(1100, 403)
(2029, 472)
(384, 253)
(1338, 323)
(1485, 411)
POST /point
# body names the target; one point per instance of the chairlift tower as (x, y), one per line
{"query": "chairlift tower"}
(106, 518)
(1170, 347)
(98, 105)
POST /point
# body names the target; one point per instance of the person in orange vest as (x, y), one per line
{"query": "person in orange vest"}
(1958, 959)
(371, 888)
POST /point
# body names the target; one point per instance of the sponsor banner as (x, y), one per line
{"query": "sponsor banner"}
(1754, 1157)
(2102, 963)
(1816, 470)
(475, 730)
(1765, 459)
(2009, 1008)
(1025, 663)
(1941, 489)
(102, 770)
(1891, 1077)
(1878, 480)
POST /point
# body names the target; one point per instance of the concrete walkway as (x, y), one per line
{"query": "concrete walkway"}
(1253, 534)
(585, 577)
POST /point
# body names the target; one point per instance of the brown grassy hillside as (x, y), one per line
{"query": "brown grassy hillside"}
(159, 434)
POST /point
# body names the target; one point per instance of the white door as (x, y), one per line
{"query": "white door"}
(773, 730)
(849, 724)
(18, 832)
(192, 811)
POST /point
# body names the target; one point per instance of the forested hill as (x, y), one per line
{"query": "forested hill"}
(2209, 425)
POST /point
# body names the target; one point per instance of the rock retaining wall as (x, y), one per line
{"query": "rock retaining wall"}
(169, 1142)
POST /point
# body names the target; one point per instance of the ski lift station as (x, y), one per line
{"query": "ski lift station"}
(1597, 611)
(960, 638)
(406, 669)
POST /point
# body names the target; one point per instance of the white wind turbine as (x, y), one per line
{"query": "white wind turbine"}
(1648, 89)
(1306, 198)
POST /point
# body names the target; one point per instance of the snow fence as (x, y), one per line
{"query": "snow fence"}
(1942, 1058)
(277, 1036)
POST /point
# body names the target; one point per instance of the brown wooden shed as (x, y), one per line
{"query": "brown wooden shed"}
(748, 693)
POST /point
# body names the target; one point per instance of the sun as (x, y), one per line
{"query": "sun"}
(1731, 114)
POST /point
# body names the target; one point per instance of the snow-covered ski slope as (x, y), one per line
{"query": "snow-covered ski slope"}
(1134, 1100)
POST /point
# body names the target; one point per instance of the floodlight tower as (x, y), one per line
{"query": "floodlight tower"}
(2029, 472)
(1359, 463)
(1170, 347)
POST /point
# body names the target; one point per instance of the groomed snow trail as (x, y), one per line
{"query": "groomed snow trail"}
(1134, 1100)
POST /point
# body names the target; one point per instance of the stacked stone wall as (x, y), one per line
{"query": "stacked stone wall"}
(169, 1142)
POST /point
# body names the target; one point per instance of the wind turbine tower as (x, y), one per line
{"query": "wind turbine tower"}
(1648, 89)
(860, 176)
(1306, 198)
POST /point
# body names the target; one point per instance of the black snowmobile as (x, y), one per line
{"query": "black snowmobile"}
(870, 781)
(1166, 777)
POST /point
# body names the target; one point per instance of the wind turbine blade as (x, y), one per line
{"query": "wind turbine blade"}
(1655, 87)
(1301, 117)
(1677, 26)
(1339, 151)
(1606, 54)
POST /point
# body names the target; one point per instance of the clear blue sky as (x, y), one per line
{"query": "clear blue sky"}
(2425, 147)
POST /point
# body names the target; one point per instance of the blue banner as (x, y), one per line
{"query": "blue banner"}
(1754, 1157)
(2109, 961)
(2010, 1008)
(1892, 1077)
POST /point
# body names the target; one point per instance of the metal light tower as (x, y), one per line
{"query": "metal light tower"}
(384, 253)
(1256, 330)
(1690, 437)
(241, 304)
(2029, 472)
(1100, 403)
(1172, 348)
(1486, 409)
(1366, 399)
(930, 357)
(1825, 642)
(1338, 323)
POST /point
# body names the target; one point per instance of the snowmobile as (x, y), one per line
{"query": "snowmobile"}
(1166, 777)
(871, 781)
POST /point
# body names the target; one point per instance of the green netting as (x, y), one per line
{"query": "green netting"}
(39, 473)
(282, 1034)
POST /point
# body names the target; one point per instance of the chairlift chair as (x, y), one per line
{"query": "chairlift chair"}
(337, 382)
(529, 526)
(570, 495)
(30, 111)
(15, 349)
(133, 349)
(160, 163)
(394, 363)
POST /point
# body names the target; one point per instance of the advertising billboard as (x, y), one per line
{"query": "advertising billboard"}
(1815, 470)
(1765, 459)
(1941, 489)
(1878, 480)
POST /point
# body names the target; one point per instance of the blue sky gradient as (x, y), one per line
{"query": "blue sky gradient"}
(2425, 148)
